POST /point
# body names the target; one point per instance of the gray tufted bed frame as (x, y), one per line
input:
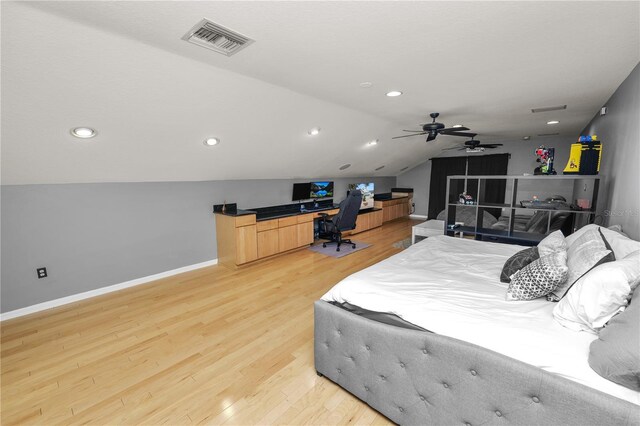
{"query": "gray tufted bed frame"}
(419, 377)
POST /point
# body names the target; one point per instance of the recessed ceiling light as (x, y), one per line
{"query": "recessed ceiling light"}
(366, 84)
(380, 168)
(314, 131)
(373, 142)
(345, 166)
(457, 125)
(394, 93)
(211, 141)
(553, 122)
(526, 138)
(83, 132)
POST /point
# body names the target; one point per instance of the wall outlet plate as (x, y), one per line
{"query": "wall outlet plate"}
(42, 272)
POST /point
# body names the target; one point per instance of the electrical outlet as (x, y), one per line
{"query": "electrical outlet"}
(42, 272)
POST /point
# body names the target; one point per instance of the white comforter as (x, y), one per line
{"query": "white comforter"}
(451, 286)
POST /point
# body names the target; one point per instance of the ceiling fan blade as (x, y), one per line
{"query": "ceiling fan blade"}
(489, 145)
(415, 131)
(454, 129)
(449, 149)
(463, 134)
(406, 136)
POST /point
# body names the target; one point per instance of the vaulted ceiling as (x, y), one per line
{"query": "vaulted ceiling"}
(122, 68)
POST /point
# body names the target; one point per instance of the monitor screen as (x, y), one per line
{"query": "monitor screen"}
(367, 190)
(321, 189)
(301, 191)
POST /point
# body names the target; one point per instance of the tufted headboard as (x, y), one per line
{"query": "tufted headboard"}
(416, 377)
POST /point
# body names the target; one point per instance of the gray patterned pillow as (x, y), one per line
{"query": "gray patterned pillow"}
(584, 254)
(517, 262)
(539, 278)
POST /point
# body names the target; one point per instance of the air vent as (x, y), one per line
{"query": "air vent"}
(345, 166)
(217, 38)
(379, 168)
(404, 168)
(548, 134)
(547, 109)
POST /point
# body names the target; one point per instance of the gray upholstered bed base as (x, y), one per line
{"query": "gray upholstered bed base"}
(415, 377)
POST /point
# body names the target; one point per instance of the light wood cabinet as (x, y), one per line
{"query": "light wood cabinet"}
(246, 244)
(242, 240)
(393, 208)
(287, 237)
(267, 242)
(305, 233)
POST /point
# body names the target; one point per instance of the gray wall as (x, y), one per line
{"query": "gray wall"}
(523, 160)
(619, 131)
(95, 235)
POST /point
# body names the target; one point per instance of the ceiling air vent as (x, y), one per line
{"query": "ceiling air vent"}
(547, 109)
(217, 38)
(548, 134)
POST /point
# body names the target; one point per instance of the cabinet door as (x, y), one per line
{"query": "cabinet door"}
(267, 243)
(375, 219)
(305, 234)
(287, 238)
(362, 223)
(386, 213)
(246, 244)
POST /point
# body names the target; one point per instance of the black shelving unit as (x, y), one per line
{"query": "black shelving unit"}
(519, 188)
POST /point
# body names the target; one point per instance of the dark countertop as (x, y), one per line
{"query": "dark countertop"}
(280, 214)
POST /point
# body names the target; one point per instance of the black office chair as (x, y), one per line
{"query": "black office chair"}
(345, 220)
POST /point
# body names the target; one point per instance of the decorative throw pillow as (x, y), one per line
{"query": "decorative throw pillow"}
(517, 262)
(538, 278)
(586, 252)
(600, 294)
(614, 354)
(551, 243)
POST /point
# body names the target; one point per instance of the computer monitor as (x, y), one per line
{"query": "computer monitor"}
(367, 190)
(322, 189)
(301, 191)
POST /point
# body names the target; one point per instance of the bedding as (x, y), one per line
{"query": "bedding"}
(538, 278)
(451, 287)
(615, 354)
(596, 297)
(517, 262)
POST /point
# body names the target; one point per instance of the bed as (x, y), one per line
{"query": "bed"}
(466, 355)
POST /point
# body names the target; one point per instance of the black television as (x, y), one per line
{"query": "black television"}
(301, 191)
(322, 189)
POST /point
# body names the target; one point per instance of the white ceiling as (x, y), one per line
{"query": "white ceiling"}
(122, 68)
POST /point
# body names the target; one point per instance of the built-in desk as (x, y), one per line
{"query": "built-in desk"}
(245, 236)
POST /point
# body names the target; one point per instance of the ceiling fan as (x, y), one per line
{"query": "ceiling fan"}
(474, 145)
(433, 129)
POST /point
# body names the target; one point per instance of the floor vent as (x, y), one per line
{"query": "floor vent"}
(215, 37)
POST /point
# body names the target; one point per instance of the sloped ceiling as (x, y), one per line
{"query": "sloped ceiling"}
(122, 68)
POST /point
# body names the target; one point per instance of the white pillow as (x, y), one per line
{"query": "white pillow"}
(586, 252)
(620, 244)
(553, 242)
(595, 298)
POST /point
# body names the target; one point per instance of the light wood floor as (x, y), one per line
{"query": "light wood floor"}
(209, 346)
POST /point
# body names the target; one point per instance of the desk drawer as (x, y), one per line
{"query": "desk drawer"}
(287, 221)
(266, 225)
(249, 219)
(303, 218)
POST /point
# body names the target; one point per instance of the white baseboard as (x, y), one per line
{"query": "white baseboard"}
(100, 291)
(418, 216)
